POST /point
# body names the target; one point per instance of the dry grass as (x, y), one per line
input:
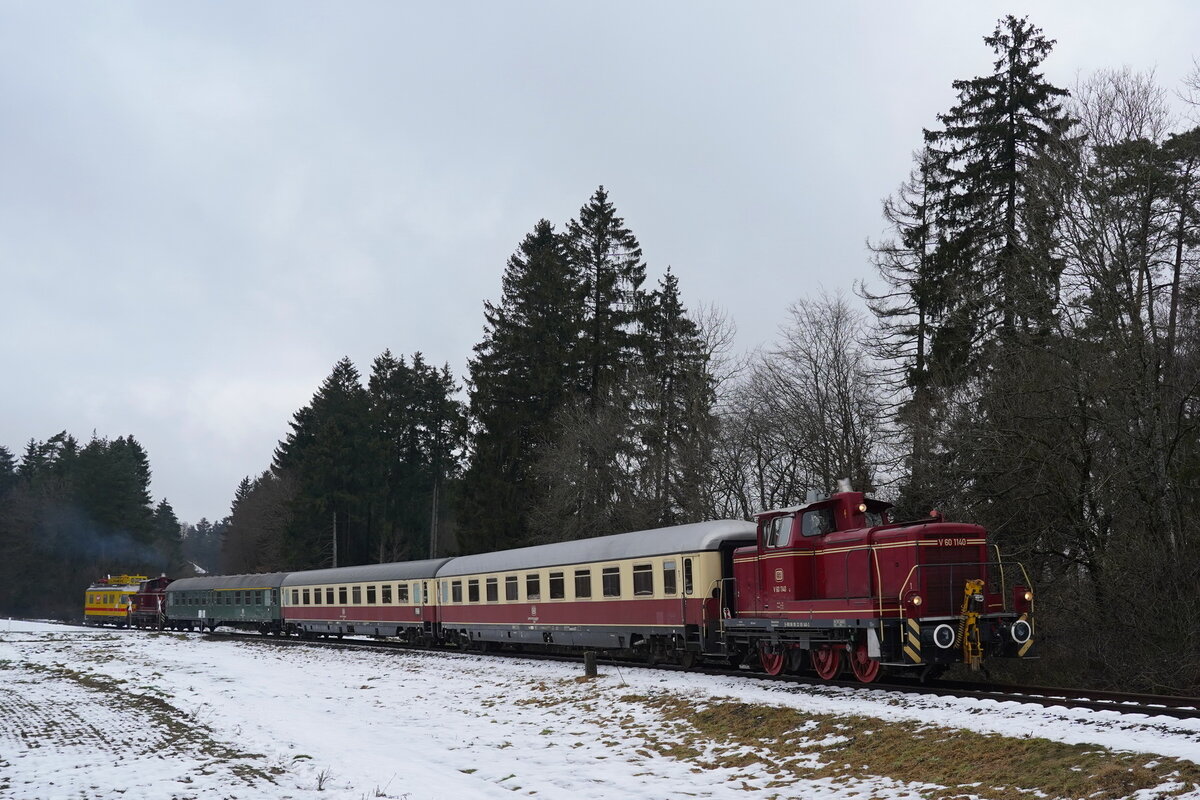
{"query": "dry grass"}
(790, 745)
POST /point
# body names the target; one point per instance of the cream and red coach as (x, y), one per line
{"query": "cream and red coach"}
(655, 592)
(834, 578)
(395, 599)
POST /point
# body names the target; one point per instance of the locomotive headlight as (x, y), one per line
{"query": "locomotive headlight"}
(1028, 597)
(943, 636)
(916, 600)
(1020, 631)
(862, 508)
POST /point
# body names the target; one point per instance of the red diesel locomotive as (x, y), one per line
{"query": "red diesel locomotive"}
(835, 579)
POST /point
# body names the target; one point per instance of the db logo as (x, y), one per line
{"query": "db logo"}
(779, 575)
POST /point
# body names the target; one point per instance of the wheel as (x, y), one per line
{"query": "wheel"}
(865, 668)
(772, 659)
(827, 660)
(688, 659)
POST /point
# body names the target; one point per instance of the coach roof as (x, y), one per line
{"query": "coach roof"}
(258, 580)
(396, 571)
(692, 538)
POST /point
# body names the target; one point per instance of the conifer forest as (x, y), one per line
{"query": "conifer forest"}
(1026, 357)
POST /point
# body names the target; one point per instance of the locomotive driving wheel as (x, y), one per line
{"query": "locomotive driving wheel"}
(772, 658)
(826, 660)
(865, 668)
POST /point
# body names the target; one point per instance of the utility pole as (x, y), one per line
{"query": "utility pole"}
(433, 521)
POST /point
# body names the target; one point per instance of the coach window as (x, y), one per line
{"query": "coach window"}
(370, 595)
(329, 596)
(442, 597)
(316, 597)
(493, 590)
(669, 577)
(304, 594)
(610, 581)
(558, 586)
(533, 586)
(385, 594)
(583, 584)
(342, 596)
(687, 576)
(402, 592)
(295, 597)
(643, 579)
(456, 592)
(512, 590)
(356, 595)
(473, 590)
(780, 532)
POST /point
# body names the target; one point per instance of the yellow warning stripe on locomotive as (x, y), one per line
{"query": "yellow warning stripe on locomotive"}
(912, 641)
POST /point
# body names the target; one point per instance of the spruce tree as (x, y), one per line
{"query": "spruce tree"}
(608, 259)
(325, 454)
(525, 370)
(677, 423)
(992, 253)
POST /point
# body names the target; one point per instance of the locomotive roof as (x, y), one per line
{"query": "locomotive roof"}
(691, 538)
(257, 580)
(395, 571)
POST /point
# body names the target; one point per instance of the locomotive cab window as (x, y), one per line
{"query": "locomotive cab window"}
(817, 522)
(779, 532)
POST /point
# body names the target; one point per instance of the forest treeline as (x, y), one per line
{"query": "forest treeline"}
(1028, 360)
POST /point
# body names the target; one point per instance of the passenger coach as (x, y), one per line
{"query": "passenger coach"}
(395, 599)
(249, 602)
(658, 592)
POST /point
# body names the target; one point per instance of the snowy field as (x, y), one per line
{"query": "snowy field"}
(88, 713)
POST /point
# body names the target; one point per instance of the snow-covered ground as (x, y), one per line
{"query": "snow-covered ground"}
(88, 713)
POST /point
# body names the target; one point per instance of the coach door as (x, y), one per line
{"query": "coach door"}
(423, 605)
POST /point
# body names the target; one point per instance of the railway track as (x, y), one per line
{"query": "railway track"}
(1096, 700)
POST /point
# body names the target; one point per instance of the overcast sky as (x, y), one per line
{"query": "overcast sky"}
(204, 206)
